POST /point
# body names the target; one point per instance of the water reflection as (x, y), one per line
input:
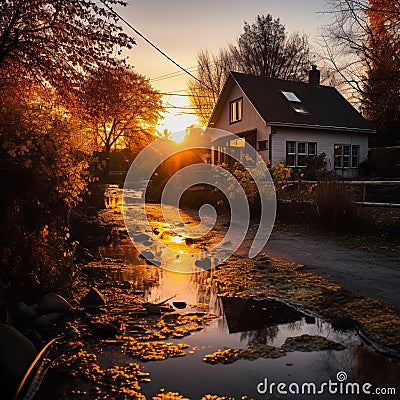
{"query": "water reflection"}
(239, 322)
(245, 314)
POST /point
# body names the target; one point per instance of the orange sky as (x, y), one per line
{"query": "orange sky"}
(181, 28)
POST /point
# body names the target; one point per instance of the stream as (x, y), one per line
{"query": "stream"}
(260, 321)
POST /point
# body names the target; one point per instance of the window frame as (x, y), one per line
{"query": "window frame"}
(263, 147)
(237, 101)
(357, 156)
(296, 153)
(345, 159)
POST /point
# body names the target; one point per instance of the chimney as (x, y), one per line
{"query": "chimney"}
(314, 76)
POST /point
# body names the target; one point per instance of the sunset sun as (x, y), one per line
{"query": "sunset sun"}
(177, 136)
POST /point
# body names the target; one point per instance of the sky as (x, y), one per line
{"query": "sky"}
(181, 28)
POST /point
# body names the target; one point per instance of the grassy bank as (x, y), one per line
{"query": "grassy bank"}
(292, 283)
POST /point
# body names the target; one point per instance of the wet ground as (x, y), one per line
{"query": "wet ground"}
(375, 274)
(225, 332)
(230, 346)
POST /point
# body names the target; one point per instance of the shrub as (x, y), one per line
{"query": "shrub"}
(335, 205)
(43, 177)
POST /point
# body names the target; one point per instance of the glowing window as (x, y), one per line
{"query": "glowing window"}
(235, 110)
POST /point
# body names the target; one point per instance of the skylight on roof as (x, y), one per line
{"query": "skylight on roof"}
(290, 96)
(295, 102)
(299, 108)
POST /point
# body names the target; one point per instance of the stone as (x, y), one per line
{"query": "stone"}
(23, 315)
(142, 237)
(152, 309)
(125, 285)
(49, 319)
(16, 355)
(53, 303)
(94, 298)
(153, 262)
(179, 304)
(104, 330)
(146, 254)
(139, 314)
(95, 310)
(205, 263)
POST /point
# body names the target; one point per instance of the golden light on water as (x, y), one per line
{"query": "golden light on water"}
(177, 239)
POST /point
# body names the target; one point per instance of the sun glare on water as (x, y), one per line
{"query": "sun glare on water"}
(178, 239)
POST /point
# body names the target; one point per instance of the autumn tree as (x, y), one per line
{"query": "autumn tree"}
(54, 41)
(119, 106)
(264, 48)
(47, 47)
(362, 43)
(42, 178)
(381, 99)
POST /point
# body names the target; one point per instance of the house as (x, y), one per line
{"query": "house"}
(287, 121)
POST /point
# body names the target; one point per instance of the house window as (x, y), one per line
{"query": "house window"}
(237, 148)
(347, 155)
(301, 154)
(291, 154)
(295, 102)
(262, 145)
(312, 149)
(355, 156)
(297, 153)
(235, 110)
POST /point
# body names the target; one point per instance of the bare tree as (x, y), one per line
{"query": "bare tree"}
(264, 48)
(362, 44)
(212, 72)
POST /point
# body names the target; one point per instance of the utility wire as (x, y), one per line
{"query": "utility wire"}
(152, 45)
(171, 75)
(187, 108)
(184, 95)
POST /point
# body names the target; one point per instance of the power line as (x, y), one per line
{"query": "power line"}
(184, 95)
(180, 90)
(169, 105)
(153, 45)
(171, 75)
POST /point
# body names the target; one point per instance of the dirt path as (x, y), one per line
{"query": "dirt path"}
(372, 273)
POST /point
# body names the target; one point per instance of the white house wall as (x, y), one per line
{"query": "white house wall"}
(252, 120)
(250, 117)
(325, 144)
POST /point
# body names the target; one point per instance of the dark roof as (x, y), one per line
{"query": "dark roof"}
(326, 107)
